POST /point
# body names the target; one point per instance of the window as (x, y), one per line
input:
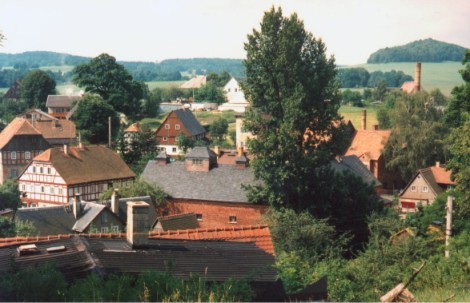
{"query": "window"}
(23, 187)
(52, 190)
(177, 126)
(413, 188)
(13, 173)
(49, 170)
(42, 189)
(173, 149)
(199, 217)
(104, 230)
(34, 169)
(41, 170)
(167, 126)
(165, 139)
(115, 229)
(232, 219)
(425, 189)
(197, 161)
(27, 155)
(61, 191)
(13, 155)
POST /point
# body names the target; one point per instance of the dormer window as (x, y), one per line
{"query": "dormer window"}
(197, 161)
(232, 219)
(199, 217)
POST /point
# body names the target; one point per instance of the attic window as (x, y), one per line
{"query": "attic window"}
(232, 219)
(413, 188)
(167, 126)
(425, 189)
(199, 217)
(177, 126)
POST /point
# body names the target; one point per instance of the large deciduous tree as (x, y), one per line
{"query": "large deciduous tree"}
(292, 87)
(460, 102)
(418, 134)
(35, 87)
(105, 77)
(91, 119)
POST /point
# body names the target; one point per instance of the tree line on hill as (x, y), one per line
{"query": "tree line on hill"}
(428, 50)
(360, 77)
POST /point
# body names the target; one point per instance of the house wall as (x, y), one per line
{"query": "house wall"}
(216, 214)
(241, 135)
(416, 192)
(18, 153)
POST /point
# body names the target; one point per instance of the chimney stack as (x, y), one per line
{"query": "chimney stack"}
(115, 202)
(66, 150)
(137, 224)
(418, 76)
(77, 206)
(217, 151)
(364, 120)
(438, 164)
(241, 161)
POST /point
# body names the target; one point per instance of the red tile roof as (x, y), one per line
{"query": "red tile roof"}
(441, 175)
(133, 128)
(59, 129)
(86, 164)
(368, 142)
(18, 126)
(258, 234)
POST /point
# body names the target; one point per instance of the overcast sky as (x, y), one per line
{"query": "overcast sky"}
(154, 30)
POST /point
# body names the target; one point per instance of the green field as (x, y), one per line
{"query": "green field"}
(61, 68)
(355, 115)
(161, 84)
(444, 76)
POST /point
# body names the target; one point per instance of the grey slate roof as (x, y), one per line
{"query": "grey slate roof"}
(61, 100)
(190, 122)
(200, 152)
(221, 184)
(59, 219)
(354, 165)
(123, 207)
(213, 260)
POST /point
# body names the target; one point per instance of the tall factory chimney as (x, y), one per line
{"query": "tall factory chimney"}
(418, 76)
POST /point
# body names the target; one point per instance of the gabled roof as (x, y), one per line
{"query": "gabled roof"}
(122, 212)
(369, 143)
(57, 220)
(177, 222)
(18, 126)
(354, 165)
(200, 152)
(40, 112)
(57, 129)
(61, 100)
(86, 164)
(434, 177)
(222, 183)
(195, 82)
(189, 121)
(134, 128)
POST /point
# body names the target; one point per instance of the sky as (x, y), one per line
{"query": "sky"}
(155, 30)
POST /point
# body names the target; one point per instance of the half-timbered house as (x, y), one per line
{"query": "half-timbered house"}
(19, 143)
(58, 174)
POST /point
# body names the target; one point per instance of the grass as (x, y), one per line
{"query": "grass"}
(438, 295)
(444, 76)
(162, 84)
(355, 115)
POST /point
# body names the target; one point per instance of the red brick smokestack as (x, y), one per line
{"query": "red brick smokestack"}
(418, 76)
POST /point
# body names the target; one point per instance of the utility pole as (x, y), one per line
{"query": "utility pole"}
(109, 131)
(450, 199)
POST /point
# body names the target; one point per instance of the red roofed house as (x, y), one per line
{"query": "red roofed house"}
(411, 87)
(57, 175)
(425, 186)
(19, 143)
(178, 121)
(367, 145)
(131, 132)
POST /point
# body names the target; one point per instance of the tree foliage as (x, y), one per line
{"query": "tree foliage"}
(460, 102)
(417, 138)
(35, 87)
(139, 188)
(218, 129)
(91, 119)
(10, 195)
(139, 150)
(105, 77)
(210, 93)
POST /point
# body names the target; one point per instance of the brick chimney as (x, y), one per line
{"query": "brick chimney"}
(137, 224)
(115, 202)
(77, 206)
(364, 120)
(241, 161)
(418, 76)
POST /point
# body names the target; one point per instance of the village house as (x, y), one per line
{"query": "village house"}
(58, 174)
(424, 187)
(56, 131)
(62, 106)
(132, 132)
(195, 82)
(19, 143)
(368, 145)
(235, 97)
(14, 92)
(200, 185)
(214, 254)
(177, 122)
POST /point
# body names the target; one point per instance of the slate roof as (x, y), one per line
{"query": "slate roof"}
(177, 222)
(18, 126)
(353, 164)
(189, 121)
(369, 143)
(200, 152)
(61, 100)
(59, 219)
(222, 183)
(214, 260)
(86, 164)
(122, 214)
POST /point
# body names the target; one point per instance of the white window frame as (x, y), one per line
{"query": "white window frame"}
(167, 126)
(413, 188)
(199, 217)
(425, 189)
(27, 155)
(232, 219)
(13, 155)
(165, 139)
(177, 126)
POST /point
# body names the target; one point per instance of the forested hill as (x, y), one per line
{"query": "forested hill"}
(427, 50)
(145, 71)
